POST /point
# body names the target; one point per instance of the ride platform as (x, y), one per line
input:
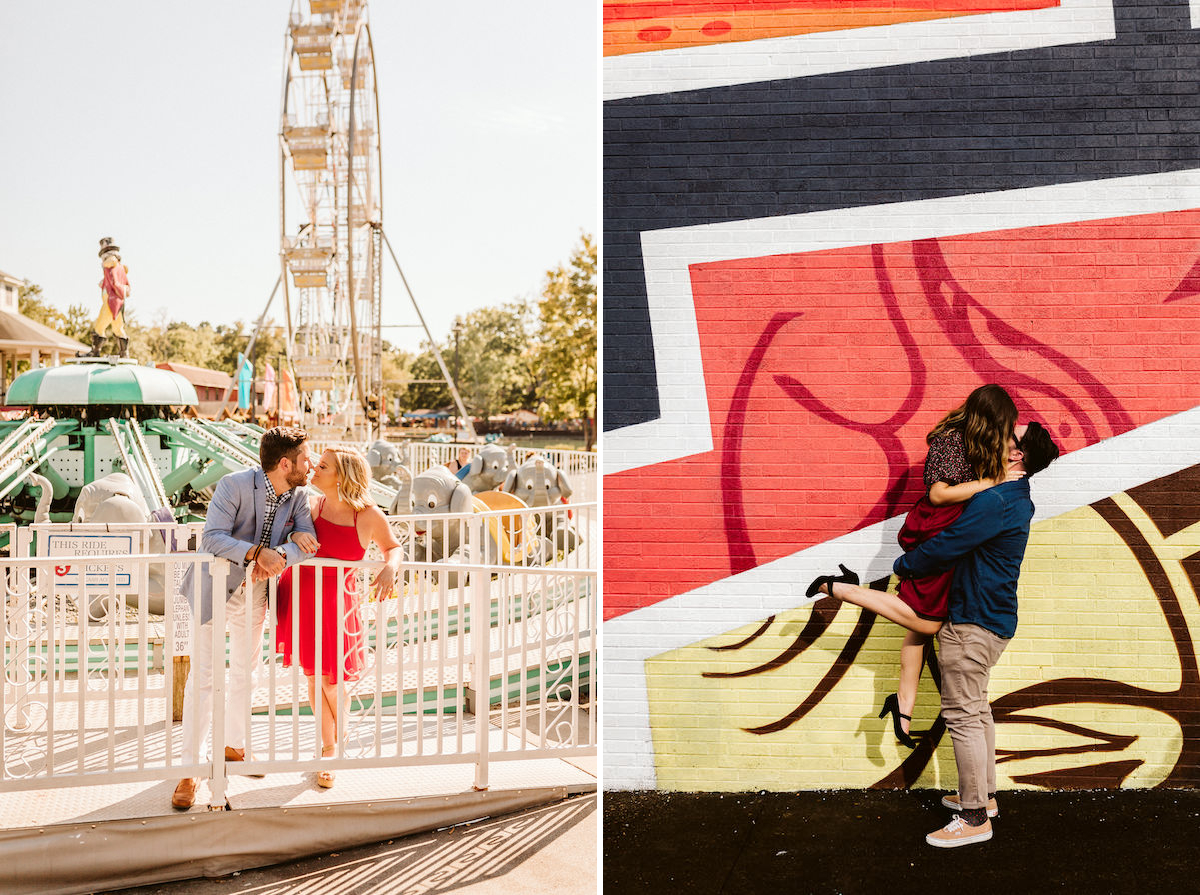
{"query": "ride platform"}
(92, 838)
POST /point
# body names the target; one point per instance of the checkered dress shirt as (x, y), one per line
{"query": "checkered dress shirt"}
(273, 502)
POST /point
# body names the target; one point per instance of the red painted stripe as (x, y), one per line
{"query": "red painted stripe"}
(824, 371)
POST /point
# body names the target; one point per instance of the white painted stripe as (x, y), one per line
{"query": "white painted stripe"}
(163, 386)
(1078, 479)
(726, 64)
(1196, 13)
(684, 427)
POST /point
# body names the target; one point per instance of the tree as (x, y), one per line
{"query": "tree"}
(397, 371)
(491, 376)
(230, 340)
(76, 323)
(425, 395)
(567, 337)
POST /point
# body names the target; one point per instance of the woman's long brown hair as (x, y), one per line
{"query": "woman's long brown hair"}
(986, 420)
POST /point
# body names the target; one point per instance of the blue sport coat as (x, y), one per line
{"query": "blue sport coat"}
(232, 528)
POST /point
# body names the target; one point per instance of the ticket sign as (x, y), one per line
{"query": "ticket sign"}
(316, 367)
(316, 373)
(98, 574)
(181, 641)
(326, 433)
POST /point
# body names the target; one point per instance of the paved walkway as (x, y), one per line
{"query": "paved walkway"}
(549, 850)
(855, 842)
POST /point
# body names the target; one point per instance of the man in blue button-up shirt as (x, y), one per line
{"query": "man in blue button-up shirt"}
(985, 547)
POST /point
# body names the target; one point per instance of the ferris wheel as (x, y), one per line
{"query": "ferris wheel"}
(331, 217)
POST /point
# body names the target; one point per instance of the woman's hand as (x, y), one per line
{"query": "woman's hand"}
(384, 581)
(1012, 475)
(306, 542)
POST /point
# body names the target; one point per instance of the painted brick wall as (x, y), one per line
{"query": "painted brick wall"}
(822, 230)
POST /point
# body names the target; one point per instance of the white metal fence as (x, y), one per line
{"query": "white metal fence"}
(501, 633)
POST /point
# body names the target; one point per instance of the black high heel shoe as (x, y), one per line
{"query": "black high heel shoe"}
(892, 704)
(847, 577)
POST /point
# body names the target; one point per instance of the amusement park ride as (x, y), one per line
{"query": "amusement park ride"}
(331, 221)
(102, 415)
(99, 414)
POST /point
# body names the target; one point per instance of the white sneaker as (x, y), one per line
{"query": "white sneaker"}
(954, 803)
(959, 832)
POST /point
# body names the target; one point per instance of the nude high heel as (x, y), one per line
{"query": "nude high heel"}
(325, 778)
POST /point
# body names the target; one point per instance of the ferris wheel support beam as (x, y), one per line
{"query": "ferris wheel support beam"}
(287, 303)
(462, 411)
(354, 297)
(349, 232)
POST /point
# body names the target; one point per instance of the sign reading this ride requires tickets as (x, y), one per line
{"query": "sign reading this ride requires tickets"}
(98, 575)
(181, 642)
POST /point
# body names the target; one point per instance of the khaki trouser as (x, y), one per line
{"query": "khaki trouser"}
(966, 654)
(244, 621)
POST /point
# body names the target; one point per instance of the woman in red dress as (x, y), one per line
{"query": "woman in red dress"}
(968, 453)
(347, 523)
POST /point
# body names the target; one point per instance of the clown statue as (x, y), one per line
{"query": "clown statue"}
(114, 290)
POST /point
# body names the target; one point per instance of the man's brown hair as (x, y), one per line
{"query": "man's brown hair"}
(280, 442)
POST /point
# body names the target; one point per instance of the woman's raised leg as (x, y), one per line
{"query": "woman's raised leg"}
(888, 605)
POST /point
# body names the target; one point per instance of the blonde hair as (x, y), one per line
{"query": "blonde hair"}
(353, 476)
(986, 420)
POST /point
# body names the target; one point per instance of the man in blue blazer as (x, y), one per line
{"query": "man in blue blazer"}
(251, 518)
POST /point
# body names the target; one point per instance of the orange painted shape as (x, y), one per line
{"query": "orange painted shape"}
(644, 25)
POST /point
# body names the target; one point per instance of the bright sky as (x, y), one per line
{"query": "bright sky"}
(156, 124)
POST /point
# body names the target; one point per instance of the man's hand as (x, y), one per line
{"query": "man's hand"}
(306, 542)
(269, 565)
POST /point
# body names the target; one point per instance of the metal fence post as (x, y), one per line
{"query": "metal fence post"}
(220, 574)
(19, 626)
(17, 634)
(480, 647)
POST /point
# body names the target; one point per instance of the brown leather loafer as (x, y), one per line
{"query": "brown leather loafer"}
(185, 793)
(232, 754)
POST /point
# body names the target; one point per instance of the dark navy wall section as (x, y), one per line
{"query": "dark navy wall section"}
(1019, 119)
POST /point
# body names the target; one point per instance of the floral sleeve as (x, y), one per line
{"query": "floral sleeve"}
(947, 461)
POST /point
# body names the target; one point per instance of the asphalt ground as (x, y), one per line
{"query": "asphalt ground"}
(850, 842)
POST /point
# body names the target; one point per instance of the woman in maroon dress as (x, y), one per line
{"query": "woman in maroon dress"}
(968, 452)
(347, 523)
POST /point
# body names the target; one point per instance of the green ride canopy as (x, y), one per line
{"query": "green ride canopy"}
(100, 383)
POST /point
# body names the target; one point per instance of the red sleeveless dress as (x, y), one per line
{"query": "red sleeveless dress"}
(337, 542)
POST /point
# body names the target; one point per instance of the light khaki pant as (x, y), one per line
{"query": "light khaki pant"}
(966, 654)
(244, 621)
